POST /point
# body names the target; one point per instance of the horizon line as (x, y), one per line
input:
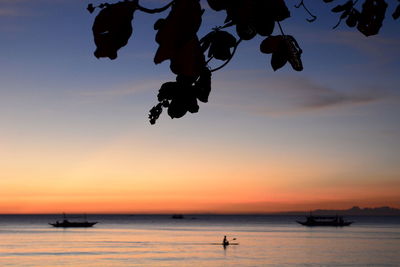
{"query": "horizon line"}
(201, 213)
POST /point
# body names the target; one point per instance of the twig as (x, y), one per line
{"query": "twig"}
(313, 17)
(208, 61)
(226, 25)
(229, 24)
(156, 10)
(280, 28)
(341, 17)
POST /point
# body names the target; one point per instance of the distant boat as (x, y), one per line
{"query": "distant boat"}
(325, 221)
(65, 223)
(177, 216)
(225, 245)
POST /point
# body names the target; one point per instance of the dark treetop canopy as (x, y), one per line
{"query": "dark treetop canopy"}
(189, 55)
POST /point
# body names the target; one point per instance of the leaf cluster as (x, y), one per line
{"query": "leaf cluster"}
(190, 56)
(369, 19)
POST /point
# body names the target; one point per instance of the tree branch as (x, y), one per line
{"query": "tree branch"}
(156, 10)
(313, 17)
(208, 61)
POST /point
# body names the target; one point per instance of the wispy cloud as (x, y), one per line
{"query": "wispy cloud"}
(310, 95)
(381, 49)
(330, 98)
(279, 94)
(10, 12)
(123, 90)
(15, 8)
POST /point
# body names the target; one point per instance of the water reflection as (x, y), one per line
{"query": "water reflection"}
(128, 242)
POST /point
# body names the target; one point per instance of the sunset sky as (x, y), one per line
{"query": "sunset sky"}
(75, 137)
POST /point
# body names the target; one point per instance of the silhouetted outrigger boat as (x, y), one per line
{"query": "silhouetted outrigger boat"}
(177, 216)
(325, 221)
(65, 223)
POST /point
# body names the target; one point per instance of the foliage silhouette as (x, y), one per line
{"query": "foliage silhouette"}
(178, 41)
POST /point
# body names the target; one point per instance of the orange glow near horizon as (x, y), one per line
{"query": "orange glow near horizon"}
(127, 177)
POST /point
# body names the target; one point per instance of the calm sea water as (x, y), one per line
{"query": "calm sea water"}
(161, 241)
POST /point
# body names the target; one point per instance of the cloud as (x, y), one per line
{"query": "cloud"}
(16, 8)
(332, 98)
(10, 12)
(381, 49)
(287, 94)
(123, 90)
(310, 95)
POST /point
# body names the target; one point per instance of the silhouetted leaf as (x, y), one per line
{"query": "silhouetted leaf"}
(112, 28)
(219, 44)
(371, 17)
(189, 59)
(340, 8)
(179, 97)
(278, 8)
(184, 99)
(218, 5)
(206, 41)
(345, 14)
(159, 23)
(353, 18)
(203, 85)
(294, 53)
(155, 113)
(346, 10)
(283, 49)
(270, 44)
(279, 56)
(246, 31)
(241, 13)
(179, 28)
(255, 16)
(167, 91)
(264, 25)
(177, 108)
(90, 8)
(192, 105)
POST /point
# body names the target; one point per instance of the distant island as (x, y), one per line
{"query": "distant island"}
(354, 211)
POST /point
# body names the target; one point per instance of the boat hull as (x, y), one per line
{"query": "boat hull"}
(73, 224)
(222, 244)
(325, 224)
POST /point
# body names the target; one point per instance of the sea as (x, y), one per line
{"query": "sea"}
(159, 240)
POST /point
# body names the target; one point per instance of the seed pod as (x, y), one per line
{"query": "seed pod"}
(371, 17)
(294, 53)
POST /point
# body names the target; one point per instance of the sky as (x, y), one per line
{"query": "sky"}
(75, 137)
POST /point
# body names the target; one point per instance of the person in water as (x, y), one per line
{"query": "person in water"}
(225, 242)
